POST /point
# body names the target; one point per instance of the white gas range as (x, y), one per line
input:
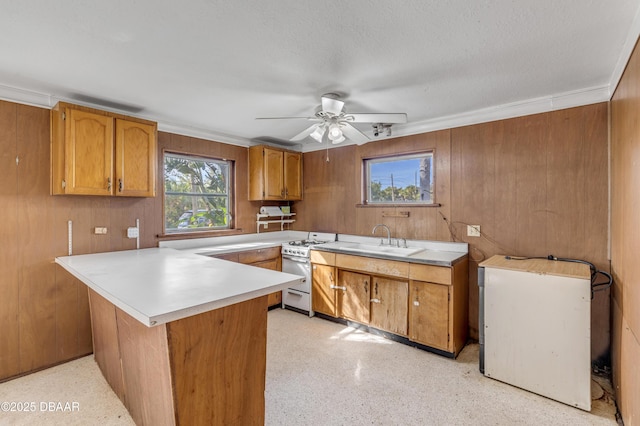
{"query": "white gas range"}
(296, 260)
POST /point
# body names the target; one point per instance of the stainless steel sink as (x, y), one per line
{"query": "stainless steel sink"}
(367, 248)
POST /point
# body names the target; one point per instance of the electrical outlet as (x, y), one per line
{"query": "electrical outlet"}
(133, 232)
(473, 230)
(100, 230)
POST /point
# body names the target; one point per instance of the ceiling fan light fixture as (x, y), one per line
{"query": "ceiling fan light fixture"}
(339, 140)
(335, 133)
(318, 133)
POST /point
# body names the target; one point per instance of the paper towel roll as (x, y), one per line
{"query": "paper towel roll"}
(271, 210)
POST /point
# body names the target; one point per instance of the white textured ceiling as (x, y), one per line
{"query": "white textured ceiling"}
(207, 67)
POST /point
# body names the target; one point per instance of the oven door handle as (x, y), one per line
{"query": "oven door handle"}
(296, 259)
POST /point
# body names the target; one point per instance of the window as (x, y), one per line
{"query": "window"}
(400, 179)
(197, 193)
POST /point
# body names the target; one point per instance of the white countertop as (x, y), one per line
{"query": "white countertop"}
(440, 253)
(160, 285)
(220, 245)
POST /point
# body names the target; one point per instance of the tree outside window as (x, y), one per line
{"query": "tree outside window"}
(196, 193)
(401, 179)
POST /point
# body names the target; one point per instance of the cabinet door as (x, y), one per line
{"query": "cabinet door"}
(389, 305)
(274, 298)
(293, 176)
(273, 175)
(323, 293)
(353, 296)
(88, 153)
(135, 159)
(259, 255)
(429, 314)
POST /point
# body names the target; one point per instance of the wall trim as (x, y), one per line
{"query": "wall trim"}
(543, 104)
(626, 51)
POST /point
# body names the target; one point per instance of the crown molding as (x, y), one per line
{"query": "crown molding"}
(27, 97)
(500, 112)
(555, 102)
(209, 135)
(43, 100)
(626, 52)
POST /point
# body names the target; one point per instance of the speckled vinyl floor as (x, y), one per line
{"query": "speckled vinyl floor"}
(319, 372)
(322, 373)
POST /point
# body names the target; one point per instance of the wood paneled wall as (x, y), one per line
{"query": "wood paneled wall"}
(536, 185)
(43, 309)
(245, 211)
(625, 240)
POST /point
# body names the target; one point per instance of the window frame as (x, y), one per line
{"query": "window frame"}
(365, 184)
(231, 204)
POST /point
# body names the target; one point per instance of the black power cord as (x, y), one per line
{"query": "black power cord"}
(595, 273)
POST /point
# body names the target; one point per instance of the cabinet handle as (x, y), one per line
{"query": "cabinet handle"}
(337, 287)
(376, 288)
(120, 185)
(109, 183)
(375, 300)
(282, 193)
(366, 286)
(331, 276)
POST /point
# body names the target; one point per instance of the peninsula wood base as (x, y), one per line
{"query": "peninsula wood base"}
(208, 369)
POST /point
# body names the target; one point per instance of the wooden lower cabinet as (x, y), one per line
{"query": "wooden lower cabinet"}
(268, 258)
(429, 314)
(275, 265)
(389, 300)
(207, 369)
(427, 304)
(353, 296)
(323, 292)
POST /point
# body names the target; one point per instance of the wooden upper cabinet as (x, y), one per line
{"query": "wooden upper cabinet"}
(274, 174)
(292, 175)
(135, 159)
(98, 153)
(88, 154)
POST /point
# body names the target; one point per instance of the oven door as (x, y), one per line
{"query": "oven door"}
(298, 266)
(298, 297)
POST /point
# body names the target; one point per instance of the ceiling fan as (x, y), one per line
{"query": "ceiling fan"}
(334, 124)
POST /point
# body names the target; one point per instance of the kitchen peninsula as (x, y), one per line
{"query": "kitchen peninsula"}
(181, 338)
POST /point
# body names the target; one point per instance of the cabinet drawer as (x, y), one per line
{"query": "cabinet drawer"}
(323, 258)
(372, 265)
(259, 255)
(430, 273)
(267, 264)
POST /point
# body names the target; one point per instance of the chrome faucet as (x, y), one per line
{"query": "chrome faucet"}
(388, 232)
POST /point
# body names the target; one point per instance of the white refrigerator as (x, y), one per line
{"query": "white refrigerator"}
(535, 326)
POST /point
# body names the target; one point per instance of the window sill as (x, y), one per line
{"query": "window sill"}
(404, 206)
(198, 234)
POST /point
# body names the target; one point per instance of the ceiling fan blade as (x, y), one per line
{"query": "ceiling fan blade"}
(286, 118)
(303, 134)
(389, 118)
(334, 106)
(353, 134)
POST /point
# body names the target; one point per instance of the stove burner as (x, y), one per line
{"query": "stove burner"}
(305, 243)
